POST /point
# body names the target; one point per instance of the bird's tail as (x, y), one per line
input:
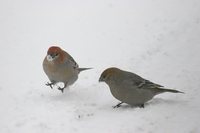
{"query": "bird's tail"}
(162, 90)
(83, 69)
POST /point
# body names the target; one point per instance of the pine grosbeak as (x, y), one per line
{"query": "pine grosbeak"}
(59, 66)
(130, 88)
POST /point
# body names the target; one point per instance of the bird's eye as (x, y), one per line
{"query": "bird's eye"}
(56, 54)
(104, 76)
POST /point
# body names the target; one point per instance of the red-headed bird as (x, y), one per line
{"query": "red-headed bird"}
(59, 66)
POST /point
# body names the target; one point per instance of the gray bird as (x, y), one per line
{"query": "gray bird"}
(130, 88)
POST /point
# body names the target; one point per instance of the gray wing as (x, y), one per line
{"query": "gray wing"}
(71, 61)
(139, 82)
(148, 84)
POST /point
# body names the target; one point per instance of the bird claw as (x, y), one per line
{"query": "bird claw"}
(141, 106)
(61, 89)
(50, 85)
(118, 105)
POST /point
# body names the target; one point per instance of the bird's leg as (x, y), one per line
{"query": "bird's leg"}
(118, 105)
(141, 106)
(50, 84)
(62, 88)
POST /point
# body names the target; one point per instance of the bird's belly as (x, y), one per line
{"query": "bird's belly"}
(132, 96)
(63, 75)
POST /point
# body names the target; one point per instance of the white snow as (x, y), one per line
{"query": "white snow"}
(159, 40)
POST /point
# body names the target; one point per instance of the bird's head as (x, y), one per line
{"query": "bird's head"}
(54, 53)
(109, 74)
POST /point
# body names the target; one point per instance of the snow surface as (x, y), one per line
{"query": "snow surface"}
(157, 39)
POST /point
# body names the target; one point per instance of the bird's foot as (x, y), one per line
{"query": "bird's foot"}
(141, 106)
(61, 89)
(118, 105)
(50, 84)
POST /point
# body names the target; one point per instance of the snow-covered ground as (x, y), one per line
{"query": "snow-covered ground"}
(159, 40)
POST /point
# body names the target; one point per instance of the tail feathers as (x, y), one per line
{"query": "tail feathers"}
(162, 90)
(173, 91)
(83, 69)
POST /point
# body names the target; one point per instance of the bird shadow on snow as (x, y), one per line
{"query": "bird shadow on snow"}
(161, 101)
(59, 96)
(74, 95)
(156, 102)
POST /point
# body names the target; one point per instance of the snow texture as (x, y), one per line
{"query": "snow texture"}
(157, 39)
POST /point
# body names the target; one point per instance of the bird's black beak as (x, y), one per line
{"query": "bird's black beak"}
(53, 55)
(101, 79)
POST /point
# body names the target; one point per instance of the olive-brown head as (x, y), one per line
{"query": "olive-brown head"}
(109, 74)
